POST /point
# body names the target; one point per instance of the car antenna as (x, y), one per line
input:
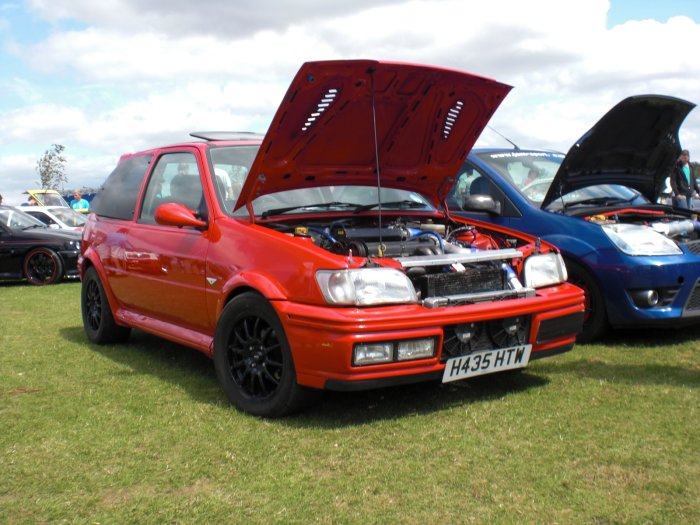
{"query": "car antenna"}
(380, 248)
(515, 146)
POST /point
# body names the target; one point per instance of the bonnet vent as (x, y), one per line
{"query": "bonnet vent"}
(322, 105)
(451, 119)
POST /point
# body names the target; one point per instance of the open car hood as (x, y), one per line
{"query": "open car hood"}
(427, 119)
(635, 144)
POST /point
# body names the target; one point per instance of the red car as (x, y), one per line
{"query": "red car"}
(320, 256)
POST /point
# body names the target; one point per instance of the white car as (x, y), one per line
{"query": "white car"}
(57, 217)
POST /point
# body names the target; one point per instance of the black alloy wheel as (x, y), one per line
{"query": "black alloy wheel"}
(98, 320)
(43, 266)
(253, 360)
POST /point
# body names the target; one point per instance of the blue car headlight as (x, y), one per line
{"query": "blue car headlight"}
(544, 270)
(635, 239)
(365, 286)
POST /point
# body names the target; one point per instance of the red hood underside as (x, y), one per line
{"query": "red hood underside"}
(427, 120)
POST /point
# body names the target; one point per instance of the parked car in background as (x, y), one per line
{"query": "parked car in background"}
(329, 267)
(638, 261)
(45, 198)
(32, 251)
(58, 217)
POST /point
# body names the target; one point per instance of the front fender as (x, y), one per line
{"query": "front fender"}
(572, 247)
(265, 285)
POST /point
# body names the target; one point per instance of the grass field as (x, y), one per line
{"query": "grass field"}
(141, 433)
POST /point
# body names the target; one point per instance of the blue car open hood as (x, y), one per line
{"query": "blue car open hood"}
(635, 144)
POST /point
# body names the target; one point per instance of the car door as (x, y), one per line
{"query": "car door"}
(164, 266)
(9, 263)
(13, 245)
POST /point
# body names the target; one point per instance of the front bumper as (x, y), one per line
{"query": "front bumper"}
(322, 338)
(676, 280)
(70, 262)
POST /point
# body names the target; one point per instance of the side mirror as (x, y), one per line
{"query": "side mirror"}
(176, 214)
(481, 203)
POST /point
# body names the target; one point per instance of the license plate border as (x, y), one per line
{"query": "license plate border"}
(479, 371)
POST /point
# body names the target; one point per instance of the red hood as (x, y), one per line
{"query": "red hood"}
(427, 120)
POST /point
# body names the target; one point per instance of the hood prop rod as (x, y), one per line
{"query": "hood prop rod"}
(381, 247)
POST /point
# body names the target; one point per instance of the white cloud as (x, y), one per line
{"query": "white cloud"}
(212, 17)
(149, 72)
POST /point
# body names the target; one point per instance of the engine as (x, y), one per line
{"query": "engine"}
(681, 229)
(446, 266)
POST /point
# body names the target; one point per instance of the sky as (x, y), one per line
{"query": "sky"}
(118, 76)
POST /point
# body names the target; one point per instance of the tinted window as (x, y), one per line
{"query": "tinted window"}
(117, 197)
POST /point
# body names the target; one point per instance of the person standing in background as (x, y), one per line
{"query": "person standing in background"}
(78, 203)
(683, 182)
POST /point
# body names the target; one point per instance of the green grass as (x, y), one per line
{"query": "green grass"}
(141, 433)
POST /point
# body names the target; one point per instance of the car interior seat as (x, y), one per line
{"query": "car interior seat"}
(481, 186)
(187, 190)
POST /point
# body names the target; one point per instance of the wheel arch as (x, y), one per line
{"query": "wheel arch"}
(249, 282)
(596, 326)
(91, 260)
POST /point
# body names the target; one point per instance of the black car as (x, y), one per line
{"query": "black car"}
(30, 250)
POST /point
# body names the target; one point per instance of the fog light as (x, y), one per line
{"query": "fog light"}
(373, 353)
(416, 349)
(645, 298)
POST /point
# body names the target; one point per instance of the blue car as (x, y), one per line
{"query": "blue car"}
(637, 260)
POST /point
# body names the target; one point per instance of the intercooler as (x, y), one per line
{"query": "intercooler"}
(471, 280)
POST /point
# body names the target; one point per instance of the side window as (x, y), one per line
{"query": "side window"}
(175, 178)
(470, 181)
(118, 195)
(230, 166)
(481, 184)
(466, 176)
(43, 218)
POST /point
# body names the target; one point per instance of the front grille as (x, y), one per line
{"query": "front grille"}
(693, 302)
(472, 280)
(693, 247)
(485, 335)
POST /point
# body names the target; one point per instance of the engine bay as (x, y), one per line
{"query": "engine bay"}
(448, 263)
(680, 226)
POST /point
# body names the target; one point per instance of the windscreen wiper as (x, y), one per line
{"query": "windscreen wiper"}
(322, 205)
(598, 201)
(394, 204)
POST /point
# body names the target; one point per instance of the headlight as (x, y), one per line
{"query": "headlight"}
(544, 270)
(634, 239)
(365, 286)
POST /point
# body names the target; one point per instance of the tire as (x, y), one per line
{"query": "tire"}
(98, 320)
(595, 320)
(253, 360)
(43, 266)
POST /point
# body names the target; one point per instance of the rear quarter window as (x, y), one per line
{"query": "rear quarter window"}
(118, 195)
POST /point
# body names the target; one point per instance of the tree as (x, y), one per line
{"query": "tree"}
(51, 168)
